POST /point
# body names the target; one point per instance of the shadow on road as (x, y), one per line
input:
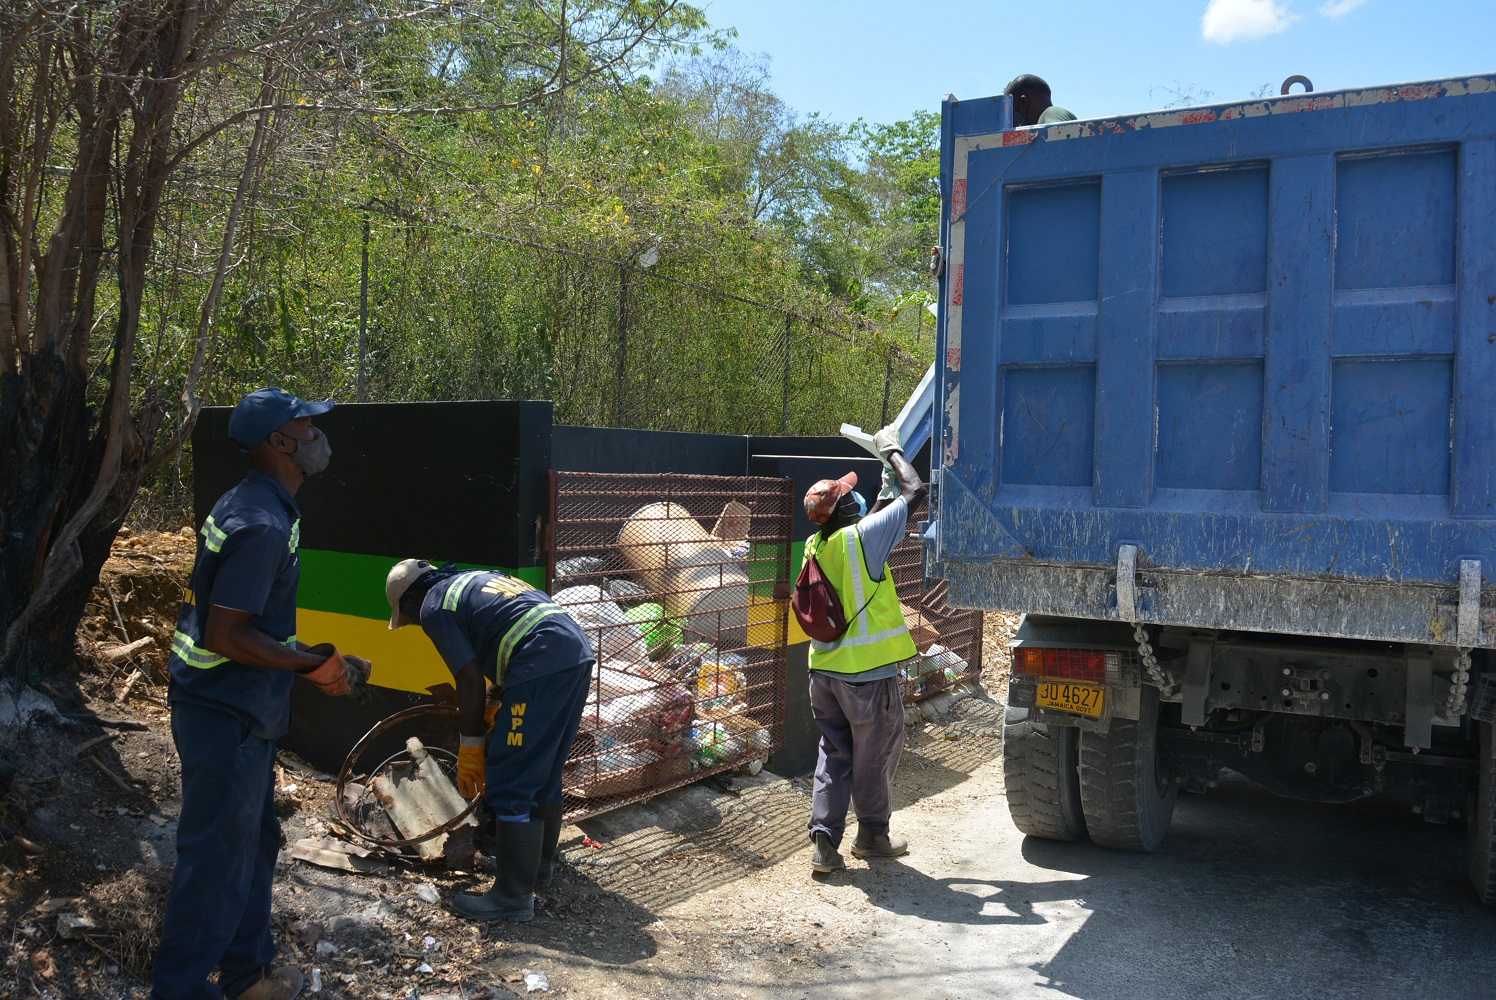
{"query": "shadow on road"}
(1253, 895)
(899, 888)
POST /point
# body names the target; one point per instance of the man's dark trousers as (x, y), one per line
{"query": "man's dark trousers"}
(862, 735)
(531, 739)
(218, 913)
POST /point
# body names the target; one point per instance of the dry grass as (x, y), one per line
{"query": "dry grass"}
(128, 910)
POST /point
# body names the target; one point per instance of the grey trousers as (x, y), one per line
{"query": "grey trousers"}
(862, 734)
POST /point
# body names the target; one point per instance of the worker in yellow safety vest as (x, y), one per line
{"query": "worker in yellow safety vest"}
(855, 697)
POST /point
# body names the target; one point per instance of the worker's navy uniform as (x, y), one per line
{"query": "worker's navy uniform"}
(526, 642)
(225, 719)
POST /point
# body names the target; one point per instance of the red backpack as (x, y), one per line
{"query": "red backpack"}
(817, 607)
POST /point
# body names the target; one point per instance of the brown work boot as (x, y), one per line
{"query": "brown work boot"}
(280, 983)
(825, 859)
(882, 845)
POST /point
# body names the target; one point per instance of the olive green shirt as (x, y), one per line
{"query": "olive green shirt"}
(1053, 114)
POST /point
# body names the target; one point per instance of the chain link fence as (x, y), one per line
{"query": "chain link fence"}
(618, 344)
(444, 313)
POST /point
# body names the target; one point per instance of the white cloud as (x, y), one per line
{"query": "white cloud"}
(1228, 21)
(1340, 8)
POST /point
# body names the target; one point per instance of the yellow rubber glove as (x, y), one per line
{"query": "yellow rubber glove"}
(471, 759)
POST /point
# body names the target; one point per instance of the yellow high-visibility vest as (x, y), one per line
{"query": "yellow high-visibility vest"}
(877, 636)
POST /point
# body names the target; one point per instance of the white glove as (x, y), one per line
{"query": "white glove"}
(887, 441)
(890, 488)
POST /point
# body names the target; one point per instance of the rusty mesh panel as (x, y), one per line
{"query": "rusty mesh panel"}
(674, 578)
(949, 640)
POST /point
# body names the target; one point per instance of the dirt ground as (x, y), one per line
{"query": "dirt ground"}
(705, 891)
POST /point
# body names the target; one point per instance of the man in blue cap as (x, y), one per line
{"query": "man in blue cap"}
(232, 662)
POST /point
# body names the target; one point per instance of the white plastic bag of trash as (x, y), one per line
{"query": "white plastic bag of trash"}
(606, 624)
(536, 981)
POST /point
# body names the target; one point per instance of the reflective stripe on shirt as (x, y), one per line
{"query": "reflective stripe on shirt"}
(521, 629)
(213, 535)
(457, 586)
(201, 657)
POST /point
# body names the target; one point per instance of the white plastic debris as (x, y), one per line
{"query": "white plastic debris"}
(428, 893)
(316, 986)
(425, 969)
(326, 949)
(72, 927)
(429, 943)
(536, 981)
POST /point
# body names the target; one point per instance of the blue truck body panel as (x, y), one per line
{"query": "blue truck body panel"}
(1257, 342)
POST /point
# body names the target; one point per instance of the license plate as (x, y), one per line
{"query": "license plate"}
(1081, 699)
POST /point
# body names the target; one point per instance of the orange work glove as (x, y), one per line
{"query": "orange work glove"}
(471, 760)
(331, 677)
(490, 712)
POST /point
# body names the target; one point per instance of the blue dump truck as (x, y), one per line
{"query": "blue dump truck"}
(1216, 410)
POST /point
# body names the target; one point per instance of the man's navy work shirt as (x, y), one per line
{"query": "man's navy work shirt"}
(515, 632)
(247, 560)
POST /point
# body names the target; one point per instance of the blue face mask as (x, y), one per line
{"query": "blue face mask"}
(861, 504)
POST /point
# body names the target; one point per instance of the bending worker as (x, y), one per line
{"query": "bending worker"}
(232, 661)
(855, 697)
(492, 627)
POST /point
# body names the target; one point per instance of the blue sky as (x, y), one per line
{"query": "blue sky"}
(882, 59)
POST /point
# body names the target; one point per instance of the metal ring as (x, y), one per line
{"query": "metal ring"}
(404, 715)
(1296, 78)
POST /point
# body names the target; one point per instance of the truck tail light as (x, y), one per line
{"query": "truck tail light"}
(1092, 665)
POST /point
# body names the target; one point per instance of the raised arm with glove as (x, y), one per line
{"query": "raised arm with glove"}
(899, 477)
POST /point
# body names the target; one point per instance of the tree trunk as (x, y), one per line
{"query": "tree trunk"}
(52, 458)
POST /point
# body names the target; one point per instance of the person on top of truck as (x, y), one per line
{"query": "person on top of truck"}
(855, 697)
(1031, 103)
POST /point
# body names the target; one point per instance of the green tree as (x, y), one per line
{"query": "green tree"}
(137, 138)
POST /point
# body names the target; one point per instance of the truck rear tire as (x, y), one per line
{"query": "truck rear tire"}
(1039, 772)
(1481, 826)
(1127, 793)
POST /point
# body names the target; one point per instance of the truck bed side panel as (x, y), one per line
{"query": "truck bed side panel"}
(1256, 341)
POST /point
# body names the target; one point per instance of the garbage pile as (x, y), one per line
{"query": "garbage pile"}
(937, 668)
(668, 619)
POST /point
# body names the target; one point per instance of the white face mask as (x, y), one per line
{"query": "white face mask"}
(312, 456)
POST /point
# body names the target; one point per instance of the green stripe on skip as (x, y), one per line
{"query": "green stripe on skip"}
(347, 583)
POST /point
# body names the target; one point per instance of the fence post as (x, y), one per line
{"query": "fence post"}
(784, 420)
(623, 333)
(363, 315)
(887, 387)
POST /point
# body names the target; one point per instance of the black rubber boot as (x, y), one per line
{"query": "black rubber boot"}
(825, 858)
(879, 845)
(513, 894)
(550, 816)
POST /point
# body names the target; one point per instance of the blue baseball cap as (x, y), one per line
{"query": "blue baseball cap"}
(265, 411)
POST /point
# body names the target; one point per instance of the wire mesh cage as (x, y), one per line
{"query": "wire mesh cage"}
(681, 582)
(949, 640)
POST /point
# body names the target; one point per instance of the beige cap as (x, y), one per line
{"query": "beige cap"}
(404, 573)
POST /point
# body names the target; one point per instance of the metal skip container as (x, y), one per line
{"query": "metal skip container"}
(699, 580)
